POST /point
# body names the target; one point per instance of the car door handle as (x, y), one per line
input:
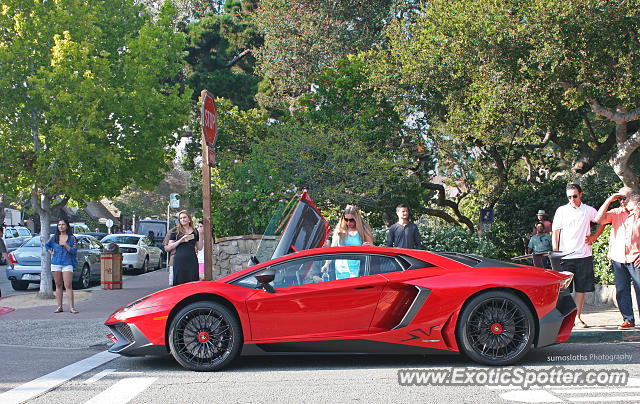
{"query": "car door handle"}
(363, 287)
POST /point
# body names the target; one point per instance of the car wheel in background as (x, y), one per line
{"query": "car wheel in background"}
(495, 328)
(19, 285)
(205, 336)
(85, 278)
(145, 265)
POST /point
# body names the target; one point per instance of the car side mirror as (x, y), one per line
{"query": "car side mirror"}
(264, 278)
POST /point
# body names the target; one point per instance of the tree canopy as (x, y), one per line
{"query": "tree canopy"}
(91, 99)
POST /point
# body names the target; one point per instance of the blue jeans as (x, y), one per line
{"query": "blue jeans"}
(624, 274)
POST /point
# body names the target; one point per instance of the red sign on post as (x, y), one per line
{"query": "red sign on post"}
(209, 118)
(211, 153)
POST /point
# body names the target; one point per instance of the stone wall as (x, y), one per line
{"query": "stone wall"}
(232, 254)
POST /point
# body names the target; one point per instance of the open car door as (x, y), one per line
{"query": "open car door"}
(298, 226)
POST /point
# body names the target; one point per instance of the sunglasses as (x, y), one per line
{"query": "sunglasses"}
(574, 196)
(349, 220)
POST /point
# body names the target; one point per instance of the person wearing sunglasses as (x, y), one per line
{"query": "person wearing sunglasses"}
(572, 236)
(351, 230)
(624, 249)
(404, 233)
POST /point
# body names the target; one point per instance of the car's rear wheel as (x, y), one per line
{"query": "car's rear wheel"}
(495, 328)
(20, 285)
(205, 336)
(85, 278)
(145, 265)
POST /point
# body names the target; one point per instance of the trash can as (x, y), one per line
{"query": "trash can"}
(111, 267)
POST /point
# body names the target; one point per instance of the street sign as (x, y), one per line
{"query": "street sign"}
(109, 223)
(211, 153)
(209, 118)
(174, 201)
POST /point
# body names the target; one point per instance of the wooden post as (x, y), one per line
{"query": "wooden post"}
(206, 213)
(209, 128)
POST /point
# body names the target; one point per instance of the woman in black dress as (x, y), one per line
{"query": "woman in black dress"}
(186, 242)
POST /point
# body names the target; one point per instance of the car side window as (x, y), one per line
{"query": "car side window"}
(7, 233)
(318, 269)
(82, 243)
(380, 264)
(24, 232)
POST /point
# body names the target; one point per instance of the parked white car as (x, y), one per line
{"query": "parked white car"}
(138, 253)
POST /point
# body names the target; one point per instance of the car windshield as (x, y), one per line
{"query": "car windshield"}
(159, 229)
(32, 242)
(120, 239)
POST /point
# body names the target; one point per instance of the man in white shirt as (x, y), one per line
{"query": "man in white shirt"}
(572, 236)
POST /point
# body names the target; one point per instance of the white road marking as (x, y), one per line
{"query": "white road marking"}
(45, 383)
(610, 398)
(99, 376)
(107, 372)
(123, 391)
(600, 390)
(531, 396)
(545, 396)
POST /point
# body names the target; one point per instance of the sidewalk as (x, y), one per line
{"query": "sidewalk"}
(603, 324)
(30, 321)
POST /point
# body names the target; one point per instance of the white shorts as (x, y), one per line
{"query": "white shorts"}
(63, 268)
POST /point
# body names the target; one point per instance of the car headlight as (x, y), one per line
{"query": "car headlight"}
(130, 305)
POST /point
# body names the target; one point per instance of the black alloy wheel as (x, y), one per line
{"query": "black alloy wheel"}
(495, 328)
(85, 277)
(145, 265)
(205, 336)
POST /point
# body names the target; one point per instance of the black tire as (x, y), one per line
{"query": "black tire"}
(20, 285)
(495, 328)
(145, 265)
(159, 263)
(205, 336)
(85, 278)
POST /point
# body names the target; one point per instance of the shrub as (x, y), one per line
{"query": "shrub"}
(447, 238)
(601, 264)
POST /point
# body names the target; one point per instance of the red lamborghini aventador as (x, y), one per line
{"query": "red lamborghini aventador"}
(308, 299)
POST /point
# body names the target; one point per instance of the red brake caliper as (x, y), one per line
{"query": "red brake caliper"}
(203, 337)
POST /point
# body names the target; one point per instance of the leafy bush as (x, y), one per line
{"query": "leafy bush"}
(601, 264)
(447, 238)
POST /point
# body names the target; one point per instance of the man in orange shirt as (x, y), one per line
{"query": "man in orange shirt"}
(624, 249)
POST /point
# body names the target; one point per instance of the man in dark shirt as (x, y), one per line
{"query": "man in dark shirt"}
(404, 234)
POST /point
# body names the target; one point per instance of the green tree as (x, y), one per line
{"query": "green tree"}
(90, 100)
(503, 86)
(301, 37)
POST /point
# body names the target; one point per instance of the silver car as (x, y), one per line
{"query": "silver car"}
(27, 266)
(138, 252)
(14, 237)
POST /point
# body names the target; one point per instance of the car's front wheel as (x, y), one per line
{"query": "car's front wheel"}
(20, 285)
(205, 336)
(495, 328)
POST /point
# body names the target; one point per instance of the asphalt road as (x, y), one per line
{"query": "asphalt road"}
(5, 284)
(336, 379)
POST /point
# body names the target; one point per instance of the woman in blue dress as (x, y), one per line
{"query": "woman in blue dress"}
(350, 231)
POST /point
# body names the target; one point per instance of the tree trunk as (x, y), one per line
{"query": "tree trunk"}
(43, 207)
(620, 159)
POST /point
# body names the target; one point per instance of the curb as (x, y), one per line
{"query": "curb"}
(604, 336)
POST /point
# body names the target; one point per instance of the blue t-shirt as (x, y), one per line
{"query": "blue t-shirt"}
(60, 254)
(352, 269)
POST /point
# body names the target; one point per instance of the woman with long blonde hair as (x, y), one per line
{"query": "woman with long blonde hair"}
(186, 242)
(351, 229)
